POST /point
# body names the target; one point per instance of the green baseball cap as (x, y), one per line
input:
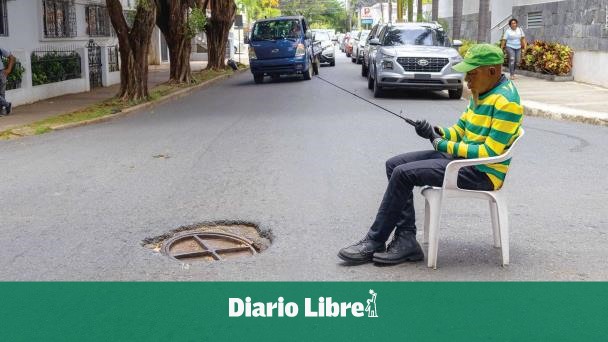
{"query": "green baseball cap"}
(480, 55)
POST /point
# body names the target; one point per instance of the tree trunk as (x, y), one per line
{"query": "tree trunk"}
(419, 11)
(133, 46)
(435, 15)
(172, 20)
(410, 10)
(483, 29)
(218, 27)
(456, 19)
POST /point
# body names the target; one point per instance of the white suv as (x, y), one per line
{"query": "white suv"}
(415, 55)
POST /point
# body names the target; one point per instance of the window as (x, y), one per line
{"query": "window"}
(412, 36)
(276, 29)
(59, 18)
(3, 19)
(535, 20)
(98, 21)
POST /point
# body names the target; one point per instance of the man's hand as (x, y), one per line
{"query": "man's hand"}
(426, 130)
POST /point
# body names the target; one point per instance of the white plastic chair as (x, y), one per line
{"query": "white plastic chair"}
(498, 205)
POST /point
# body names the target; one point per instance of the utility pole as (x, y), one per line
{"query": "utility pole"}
(390, 11)
(381, 12)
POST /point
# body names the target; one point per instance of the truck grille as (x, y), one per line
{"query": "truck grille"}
(435, 64)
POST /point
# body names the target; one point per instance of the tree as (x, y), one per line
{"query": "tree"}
(179, 21)
(419, 11)
(134, 43)
(483, 28)
(435, 13)
(256, 9)
(217, 29)
(456, 19)
(410, 10)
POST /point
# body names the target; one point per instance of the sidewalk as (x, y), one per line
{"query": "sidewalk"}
(563, 100)
(29, 113)
(571, 101)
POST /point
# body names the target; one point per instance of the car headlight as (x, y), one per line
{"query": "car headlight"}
(385, 56)
(456, 59)
(252, 54)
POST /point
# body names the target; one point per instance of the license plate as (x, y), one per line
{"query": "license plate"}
(425, 76)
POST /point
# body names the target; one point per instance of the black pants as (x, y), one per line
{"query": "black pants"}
(416, 169)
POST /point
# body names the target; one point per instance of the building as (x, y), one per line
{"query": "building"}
(580, 24)
(63, 46)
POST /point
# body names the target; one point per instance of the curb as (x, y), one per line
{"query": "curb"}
(556, 112)
(164, 99)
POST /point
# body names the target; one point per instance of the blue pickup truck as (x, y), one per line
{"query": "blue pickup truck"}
(282, 46)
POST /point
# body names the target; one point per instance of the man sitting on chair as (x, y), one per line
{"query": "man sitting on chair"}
(487, 128)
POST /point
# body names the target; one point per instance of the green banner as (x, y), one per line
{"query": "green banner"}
(303, 311)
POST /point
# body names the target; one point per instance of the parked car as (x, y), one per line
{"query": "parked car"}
(328, 54)
(370, 50)
(415, 55)
(281, 46)
(358, 47)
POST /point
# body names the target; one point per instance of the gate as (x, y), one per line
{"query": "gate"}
(94, 64)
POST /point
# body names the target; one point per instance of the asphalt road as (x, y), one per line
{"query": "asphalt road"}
(305, 161)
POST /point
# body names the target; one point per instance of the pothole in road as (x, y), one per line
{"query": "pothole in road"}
(211, 241)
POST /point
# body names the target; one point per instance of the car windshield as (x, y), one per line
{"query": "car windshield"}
(411, 36)
(276, 29)
(364, 36)
(322, 36)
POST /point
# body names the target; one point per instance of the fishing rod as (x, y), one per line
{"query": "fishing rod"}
(400, 115)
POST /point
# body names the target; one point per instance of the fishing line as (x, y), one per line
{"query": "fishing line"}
(409, 121)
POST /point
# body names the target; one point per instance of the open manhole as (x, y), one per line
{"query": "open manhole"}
(207, 246)
(214, 241)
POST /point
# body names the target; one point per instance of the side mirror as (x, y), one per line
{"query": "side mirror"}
(457, 43)
(308, 35)
(246, 40)
(374, 41)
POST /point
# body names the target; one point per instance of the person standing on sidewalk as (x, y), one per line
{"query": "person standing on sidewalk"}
(487, 128)
(514, 40)
(5, 106)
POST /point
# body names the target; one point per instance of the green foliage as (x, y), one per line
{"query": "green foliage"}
(197, 20)
(321, 14)
(55, 66)
(548, 58)
(14, 78)
(466, 45)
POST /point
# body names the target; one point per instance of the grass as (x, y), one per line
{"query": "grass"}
(105, 108)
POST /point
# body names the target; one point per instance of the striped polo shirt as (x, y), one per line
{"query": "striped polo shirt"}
(486, 130)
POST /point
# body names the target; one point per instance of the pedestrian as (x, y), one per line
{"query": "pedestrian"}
(5, 106)
(487, 128)
(514, 40)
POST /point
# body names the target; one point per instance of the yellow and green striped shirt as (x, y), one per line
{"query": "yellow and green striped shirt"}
(486, 130)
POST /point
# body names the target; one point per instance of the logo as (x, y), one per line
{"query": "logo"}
(319, 307)
(274, 50)
(423, 62)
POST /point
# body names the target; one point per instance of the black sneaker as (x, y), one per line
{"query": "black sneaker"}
(402, 248)
(9, 108)
(362, 251)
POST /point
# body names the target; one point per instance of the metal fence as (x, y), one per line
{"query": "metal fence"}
(113, 64)
(51, 65)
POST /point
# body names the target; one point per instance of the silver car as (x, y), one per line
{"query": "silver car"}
(415, 55)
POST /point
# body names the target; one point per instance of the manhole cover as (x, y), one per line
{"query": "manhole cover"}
(208, 246)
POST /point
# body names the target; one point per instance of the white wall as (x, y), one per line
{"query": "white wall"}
(26, 34)
(531, 2)
(468, 7)
(586, 67)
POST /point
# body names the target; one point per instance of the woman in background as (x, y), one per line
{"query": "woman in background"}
(514, 40)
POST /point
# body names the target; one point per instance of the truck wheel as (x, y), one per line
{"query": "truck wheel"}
(363, 70)
(308, 73)
(455, 94)
(316, 66)
(258, 78)
(370, 80)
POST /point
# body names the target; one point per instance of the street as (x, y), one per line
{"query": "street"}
(305, 161)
